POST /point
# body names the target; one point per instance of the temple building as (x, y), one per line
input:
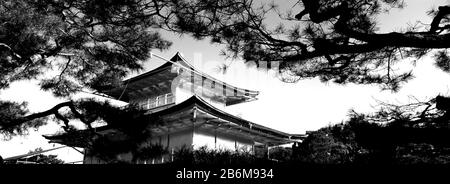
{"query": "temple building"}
(187, 100)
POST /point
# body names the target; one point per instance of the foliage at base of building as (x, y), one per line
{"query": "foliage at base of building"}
(204, 155)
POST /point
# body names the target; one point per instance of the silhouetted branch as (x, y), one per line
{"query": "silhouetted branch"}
(52, 111)
(443, 11)
(25, 119)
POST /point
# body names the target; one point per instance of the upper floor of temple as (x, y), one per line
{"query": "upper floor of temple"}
(175, 81)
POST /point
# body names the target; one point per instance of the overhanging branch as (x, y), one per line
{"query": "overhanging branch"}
(53, 111)
(443, 11)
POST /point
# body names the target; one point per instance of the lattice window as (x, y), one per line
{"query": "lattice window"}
(161, 100)
(152, 102)
(170, 98)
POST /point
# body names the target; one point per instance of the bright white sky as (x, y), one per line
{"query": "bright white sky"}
(293, 108)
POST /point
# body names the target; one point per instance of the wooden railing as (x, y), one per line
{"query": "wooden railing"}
(157, 101)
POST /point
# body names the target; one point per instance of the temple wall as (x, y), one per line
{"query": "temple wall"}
(202, 138)
(220, 141)
(180, 139)
(197, 139)
(181, 95)
(174, 140)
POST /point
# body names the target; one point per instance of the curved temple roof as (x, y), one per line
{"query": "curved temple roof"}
(192, 112)
(214, 117)
(208, 117)
(160, 79)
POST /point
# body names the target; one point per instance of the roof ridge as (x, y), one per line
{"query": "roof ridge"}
(207, 75)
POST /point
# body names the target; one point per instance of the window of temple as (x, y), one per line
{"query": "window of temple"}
(170, 98)
(153, 102)
(161, 100)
